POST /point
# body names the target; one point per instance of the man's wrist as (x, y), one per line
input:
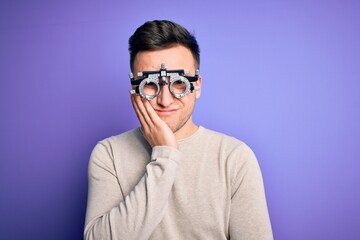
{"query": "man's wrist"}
(165, 152)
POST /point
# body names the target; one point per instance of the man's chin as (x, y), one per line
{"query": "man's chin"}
(172, 127)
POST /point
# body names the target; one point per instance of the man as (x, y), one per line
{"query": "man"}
(172, 179)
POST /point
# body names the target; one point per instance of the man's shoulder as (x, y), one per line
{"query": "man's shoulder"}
(227, 145)
(219, 141)
(219, 137)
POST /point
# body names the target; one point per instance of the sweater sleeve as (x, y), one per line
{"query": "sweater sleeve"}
(249, 218)
(109, 214)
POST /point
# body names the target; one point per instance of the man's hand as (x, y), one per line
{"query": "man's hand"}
(156, 131)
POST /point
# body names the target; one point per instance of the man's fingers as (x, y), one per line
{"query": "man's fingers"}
(156, 120)
(141, 112)
(156, 131)
(137, 111)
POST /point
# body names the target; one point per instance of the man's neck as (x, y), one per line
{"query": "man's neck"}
(187, 130)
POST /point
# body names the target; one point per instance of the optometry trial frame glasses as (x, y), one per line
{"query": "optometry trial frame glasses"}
(148, 85)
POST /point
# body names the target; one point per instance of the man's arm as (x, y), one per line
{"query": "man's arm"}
(110, 215)
(249, 218)
(113, 216)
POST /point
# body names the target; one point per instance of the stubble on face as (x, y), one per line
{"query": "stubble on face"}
(176, 57)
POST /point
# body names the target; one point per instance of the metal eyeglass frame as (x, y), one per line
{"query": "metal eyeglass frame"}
(153, 77)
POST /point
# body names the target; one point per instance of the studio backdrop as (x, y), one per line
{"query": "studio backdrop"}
(282, 76)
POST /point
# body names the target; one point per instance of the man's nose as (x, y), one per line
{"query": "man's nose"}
(165, 98)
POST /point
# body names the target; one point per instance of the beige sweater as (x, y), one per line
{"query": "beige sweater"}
(211, 188)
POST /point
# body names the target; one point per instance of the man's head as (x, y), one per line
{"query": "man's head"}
(157, 35)
(164, 43)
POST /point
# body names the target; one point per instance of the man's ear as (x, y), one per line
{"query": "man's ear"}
(198, 87)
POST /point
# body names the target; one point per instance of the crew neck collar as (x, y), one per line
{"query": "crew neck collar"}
(197, 132)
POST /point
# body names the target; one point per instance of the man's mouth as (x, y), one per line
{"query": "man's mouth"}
(165, 112)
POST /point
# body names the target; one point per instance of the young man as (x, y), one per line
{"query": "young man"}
(172, 179)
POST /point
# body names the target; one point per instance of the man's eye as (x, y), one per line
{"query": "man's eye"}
(178, 82)
(150, 85)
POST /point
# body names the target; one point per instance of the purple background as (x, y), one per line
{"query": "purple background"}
(283, 76)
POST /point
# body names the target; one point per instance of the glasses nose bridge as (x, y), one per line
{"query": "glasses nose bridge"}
(165, 97)
(164, 80)
(164, 84)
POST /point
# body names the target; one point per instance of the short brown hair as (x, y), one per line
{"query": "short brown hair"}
(162, 34)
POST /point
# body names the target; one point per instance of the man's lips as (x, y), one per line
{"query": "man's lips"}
(165, 112)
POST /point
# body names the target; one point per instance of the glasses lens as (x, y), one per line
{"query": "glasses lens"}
(178, 87)
(150, 89)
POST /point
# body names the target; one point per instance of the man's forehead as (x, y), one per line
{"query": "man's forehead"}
(161, 66)
(158, 69)
(142, 64)
(177, 57)
(162, 71)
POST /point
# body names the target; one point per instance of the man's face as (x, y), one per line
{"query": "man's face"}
(176, 113)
